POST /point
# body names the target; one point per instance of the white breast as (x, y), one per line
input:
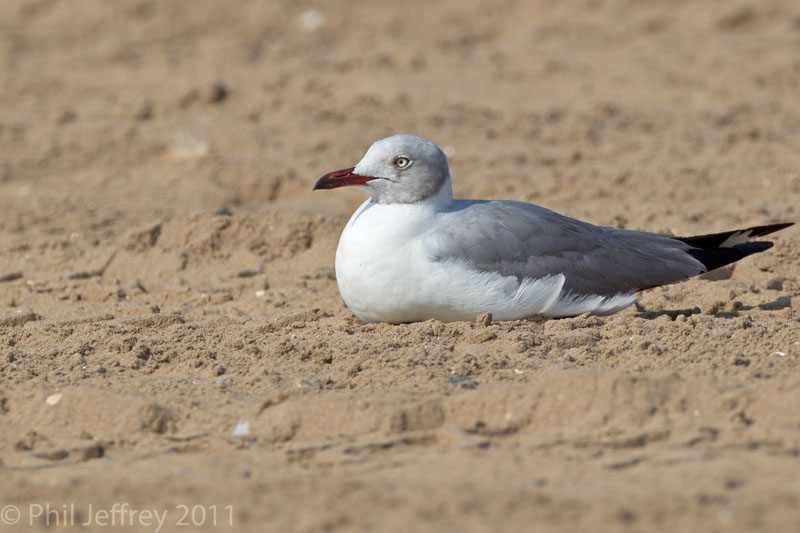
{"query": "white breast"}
(378, 260)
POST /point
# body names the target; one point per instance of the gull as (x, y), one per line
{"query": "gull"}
(412, 252)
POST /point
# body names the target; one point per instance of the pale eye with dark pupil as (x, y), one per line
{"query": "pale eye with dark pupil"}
(401, 162)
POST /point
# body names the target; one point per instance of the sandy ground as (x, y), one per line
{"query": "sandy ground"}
(167, 272)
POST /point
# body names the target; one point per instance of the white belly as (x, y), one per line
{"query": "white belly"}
(385, 274)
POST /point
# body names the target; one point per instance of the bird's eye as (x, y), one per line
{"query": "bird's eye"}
(402, 162)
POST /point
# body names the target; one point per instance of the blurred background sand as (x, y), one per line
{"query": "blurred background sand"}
(167, 273)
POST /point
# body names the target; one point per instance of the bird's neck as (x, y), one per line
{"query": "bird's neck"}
(442, 198)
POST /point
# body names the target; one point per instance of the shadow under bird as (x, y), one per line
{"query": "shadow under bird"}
(412, 252)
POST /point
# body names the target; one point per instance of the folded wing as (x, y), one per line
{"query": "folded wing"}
(530, 242)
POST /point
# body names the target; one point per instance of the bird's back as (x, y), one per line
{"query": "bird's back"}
(530, 242)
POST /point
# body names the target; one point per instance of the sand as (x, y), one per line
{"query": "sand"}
(172, 339)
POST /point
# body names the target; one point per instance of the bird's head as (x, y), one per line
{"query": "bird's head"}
(401, 169)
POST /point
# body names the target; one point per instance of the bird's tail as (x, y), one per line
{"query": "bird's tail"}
(719, 249)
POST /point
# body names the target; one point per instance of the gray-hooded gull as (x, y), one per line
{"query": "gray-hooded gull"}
(412, 252)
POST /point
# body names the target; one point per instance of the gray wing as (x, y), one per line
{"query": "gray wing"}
(528, 241)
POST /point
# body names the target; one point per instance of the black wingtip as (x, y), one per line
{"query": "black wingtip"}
(713, 240)
(719, 257)
(719, 249)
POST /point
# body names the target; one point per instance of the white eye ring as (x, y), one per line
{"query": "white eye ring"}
(402, 162)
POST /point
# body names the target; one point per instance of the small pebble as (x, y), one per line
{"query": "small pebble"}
(311, 20)
(463, 382)
(307, 384)
(53, 399)
(242, 429)
(484, 320)
(187, 147)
